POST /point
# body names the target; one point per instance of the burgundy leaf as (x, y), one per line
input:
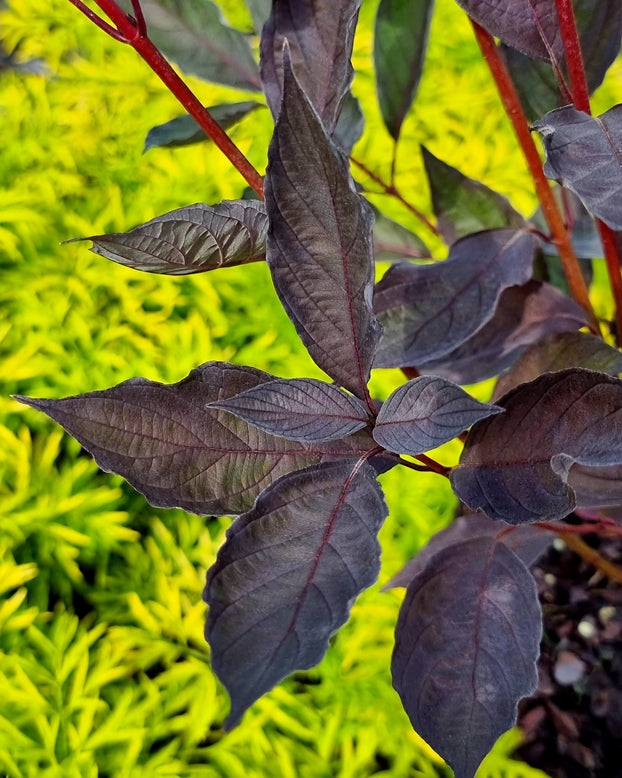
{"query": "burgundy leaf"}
(425, 413)
(320, 244)
(287, 576)
(466, 645)
(524, 314)
(194, 35)
(515, 466)
(400, 45)
(463, 205)
(528, 542)
(599, 24)
(596, 487)
(191, 239)
(178, 452)
(393, 242)
(557, 352)
(429, 310)
(583, 153)
(522, 24)
(320, 35)
(301, 409)
(350, 125)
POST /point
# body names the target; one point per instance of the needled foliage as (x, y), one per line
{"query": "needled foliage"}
(302, 463)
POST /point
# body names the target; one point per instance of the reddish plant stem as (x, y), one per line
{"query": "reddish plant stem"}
(592, 557)
(434, 465)
(604, 529)
(392, 190)
(509, 98)
(581, 99)
(134, 33)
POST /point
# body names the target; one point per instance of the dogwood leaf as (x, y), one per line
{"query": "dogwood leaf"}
(400, 44)
(427, 311)
(192, 239)
(463, 205)
(393, 242)
(583, 153)
(319, 246)
(466, 645)
(167, 442)
(184, 130)
(320, 35)
(524, 315)
(299, 409)
(287, 576)
(514, 466)
(557, 352)
(426, 412)
(521, 24)
(194, 35)
(527, 541)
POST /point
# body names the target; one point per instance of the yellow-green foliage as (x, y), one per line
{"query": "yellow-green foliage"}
(103, 667)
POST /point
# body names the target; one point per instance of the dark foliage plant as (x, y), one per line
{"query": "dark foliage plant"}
(297, 461)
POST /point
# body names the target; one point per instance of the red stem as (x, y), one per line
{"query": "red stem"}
(390, 189)
(509, 97)
(581, 99)
(134, 33)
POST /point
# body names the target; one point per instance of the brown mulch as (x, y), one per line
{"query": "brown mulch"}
(573, 724)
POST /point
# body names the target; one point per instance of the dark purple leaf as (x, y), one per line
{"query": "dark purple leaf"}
(320, 34)
(515, 466)
(524, 315)
(596, 487)
(287, 576)
(463, 205)
(167, 442)
(425, 413)
(194, 35)
(400, 45)
(583, 153)
(184, 130)
(528, 542)
(193, 239)
(599, 23)
(301, 409)
(350, 125)
(521, 24)
(466, 646)
(558, 352)
(584, 233)
(320, 244)
(393, 242)
(429, 310)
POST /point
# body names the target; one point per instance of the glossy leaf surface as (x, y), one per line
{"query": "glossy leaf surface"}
(596, 487)
(521, 24)
(320, 35)
(466, 645)
(299, 409)
(169, 445)
(183, 130)
(463, 205)
(558, 352)
(429, 310)
(583, 153)
(320, 244)
(193, 239)
(515, 466)
(527, 541)
(426, 412)
(195, 36)
(400, 45)
(524, 315)
(287, 576)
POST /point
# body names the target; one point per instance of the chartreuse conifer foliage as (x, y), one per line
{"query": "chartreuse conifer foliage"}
(297, 460)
